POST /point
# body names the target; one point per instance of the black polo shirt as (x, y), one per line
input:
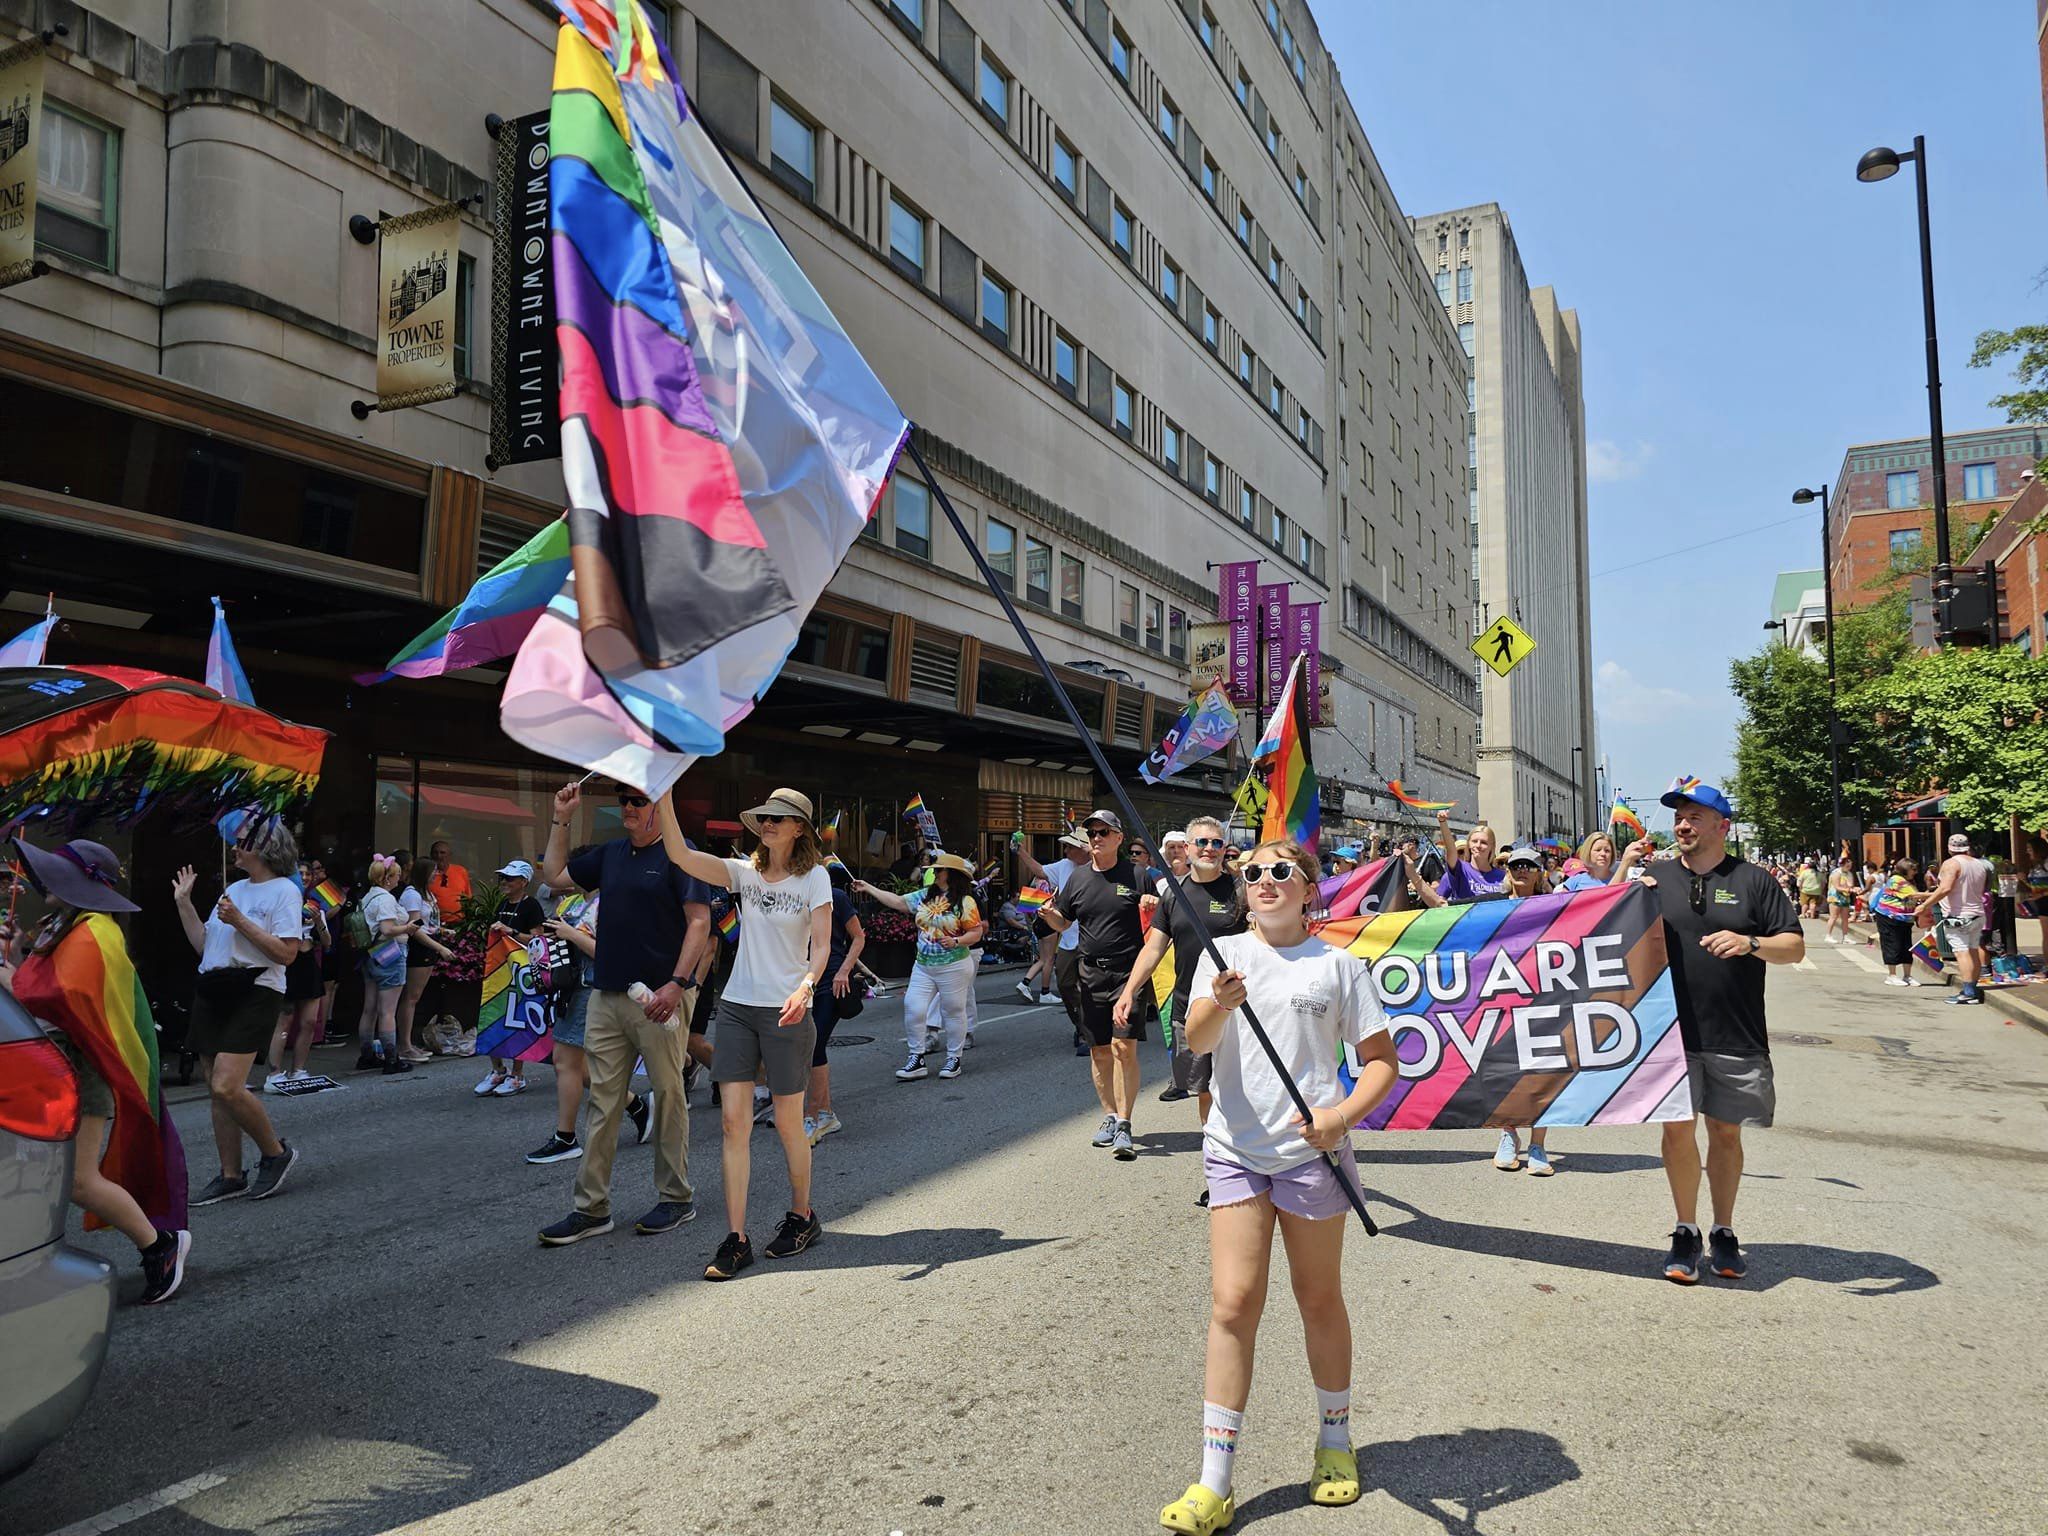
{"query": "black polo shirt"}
(1212, 908)
(1104, 903)
(1720, 1002)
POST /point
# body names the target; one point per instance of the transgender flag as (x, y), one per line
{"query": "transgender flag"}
(224, 674)
(26, 649)
(723, 441)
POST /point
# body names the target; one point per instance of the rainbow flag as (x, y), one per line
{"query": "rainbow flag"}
(1033, 897)
(329, 895)
(1621, 816)
(87, 987)
(488, 624)
(1294, 803)
(828, 834)
(224, 674)
(728, 923)
(723, 441)
(513, 1020)
(1927, 956)
(1395, 788)
(927, 823)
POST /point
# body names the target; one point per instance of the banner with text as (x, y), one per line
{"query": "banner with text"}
(1236, 605)
(1207, 726)
(417, 258)
(21, 124)
(1305, 639)
(1273, 640)
(1555, 1010)
(525, 414)
(514, 1020)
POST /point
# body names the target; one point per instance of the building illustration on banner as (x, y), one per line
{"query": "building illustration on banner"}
(14, 128)
(418, 285)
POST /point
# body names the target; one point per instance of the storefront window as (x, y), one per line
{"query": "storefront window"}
(844, 645)
(487, 815)
(1022, 692)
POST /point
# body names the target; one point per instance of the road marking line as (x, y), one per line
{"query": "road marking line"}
(148, 1504)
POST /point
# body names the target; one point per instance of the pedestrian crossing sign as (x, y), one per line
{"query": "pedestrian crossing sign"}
(1504, 644)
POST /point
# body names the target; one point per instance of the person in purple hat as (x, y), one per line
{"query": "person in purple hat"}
(1724, 921)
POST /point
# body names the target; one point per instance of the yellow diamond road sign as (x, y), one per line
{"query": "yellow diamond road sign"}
(1503, 645)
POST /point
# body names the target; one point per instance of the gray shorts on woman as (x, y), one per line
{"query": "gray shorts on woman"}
(747, 1038)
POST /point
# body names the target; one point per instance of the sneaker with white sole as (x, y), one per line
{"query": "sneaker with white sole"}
(1507, 1157)
(825, 1125)
(556, 1149)
(491, 1083)
(510, 1086)
(1121, 1146)
(1105, 1133)
(951, 1068)
(1896, 981)
(1024, 991)
(912, 1069)
(810, 1131)
(276, 1081)
(764, 1109)
(1539, 1162)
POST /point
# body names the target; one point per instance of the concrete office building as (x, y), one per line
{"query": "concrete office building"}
(1525, 457)
(1133, 272)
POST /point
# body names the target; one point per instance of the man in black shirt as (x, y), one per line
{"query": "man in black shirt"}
(1101, 898)
(1724, 919)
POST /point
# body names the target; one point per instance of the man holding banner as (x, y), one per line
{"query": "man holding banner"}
(1724, 920)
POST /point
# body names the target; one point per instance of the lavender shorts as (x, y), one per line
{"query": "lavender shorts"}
(1307, 1189)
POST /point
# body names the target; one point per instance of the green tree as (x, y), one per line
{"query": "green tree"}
(2029, 402)
(1781, 747)
(1971, 722)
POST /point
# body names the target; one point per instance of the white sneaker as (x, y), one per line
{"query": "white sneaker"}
(1024, 991)
(276, 1081)
(491, 1083)
(1897, 981)
(510, 1086)
(824, 1126)
(1914, 981)
(764, 1109)
(1508, 1155)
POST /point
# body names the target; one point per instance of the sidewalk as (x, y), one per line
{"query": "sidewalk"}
(2025, 1004)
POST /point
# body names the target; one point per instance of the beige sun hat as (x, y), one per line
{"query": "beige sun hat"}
(783, 802)
(953, 861)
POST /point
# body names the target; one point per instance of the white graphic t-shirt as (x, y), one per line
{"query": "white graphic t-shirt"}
(775, 932)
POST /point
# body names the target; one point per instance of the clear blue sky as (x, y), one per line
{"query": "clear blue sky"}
(1685, 177)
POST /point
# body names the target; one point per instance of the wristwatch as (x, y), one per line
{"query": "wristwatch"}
(1754, 945)
(680, 981)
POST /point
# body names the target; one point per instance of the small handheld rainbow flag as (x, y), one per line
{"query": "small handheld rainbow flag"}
(1927, 956)
(1032, 897)
(1413, 803)
(329, 895)
(1621, 816)
(729, 924)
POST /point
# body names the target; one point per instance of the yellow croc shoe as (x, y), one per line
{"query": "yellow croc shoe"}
(1336, 1477)
(1202, 1512)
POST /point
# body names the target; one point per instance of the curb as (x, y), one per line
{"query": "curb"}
(2005, 999)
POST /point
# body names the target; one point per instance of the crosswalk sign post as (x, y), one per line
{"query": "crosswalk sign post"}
(1504, 645)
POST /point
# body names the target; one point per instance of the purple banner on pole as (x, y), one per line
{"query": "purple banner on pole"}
(1234, 602)
(1273, 632)
(1305, 639)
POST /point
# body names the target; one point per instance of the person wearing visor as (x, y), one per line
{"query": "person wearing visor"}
(1724, 920)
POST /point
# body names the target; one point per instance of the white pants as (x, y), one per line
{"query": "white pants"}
(973, 971)
(937, 998)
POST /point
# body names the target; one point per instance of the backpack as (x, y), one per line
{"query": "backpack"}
(356, 928)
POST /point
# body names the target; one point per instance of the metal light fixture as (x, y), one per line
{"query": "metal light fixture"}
(1878, 165)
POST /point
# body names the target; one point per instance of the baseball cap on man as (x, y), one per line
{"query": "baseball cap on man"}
(1173, 837)
(1691, 787)
(1523, 854)
(1109, 819)
(519, 869)
(1959, 842)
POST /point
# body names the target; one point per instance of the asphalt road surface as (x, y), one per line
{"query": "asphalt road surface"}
(1001, 1330)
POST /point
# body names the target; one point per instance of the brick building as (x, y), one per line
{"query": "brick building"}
(2018, 545)
(1883, 503)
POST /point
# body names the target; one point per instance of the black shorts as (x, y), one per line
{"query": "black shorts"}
(302, 981)
(240, 1029)
(1895, 940)
(1101, 984)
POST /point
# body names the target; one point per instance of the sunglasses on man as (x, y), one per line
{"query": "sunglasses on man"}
(1208, 842)
(634, 800)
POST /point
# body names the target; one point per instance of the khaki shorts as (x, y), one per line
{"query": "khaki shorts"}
(1737, 1090)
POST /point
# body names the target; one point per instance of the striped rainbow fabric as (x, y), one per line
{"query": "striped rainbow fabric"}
(1032, 898)
(723, 442)
(87, 987)
(1294, 799)
(1627, 820)
(494, 618)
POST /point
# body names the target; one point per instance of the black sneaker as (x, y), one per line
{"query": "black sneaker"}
(1724, 1255)
(1683, 1264)
(556, 1149)
(369, 1061)
(641, 1114)
(396, 1065)
(573, 1228)
(666, 1216)
(270, 1171)
(794, 1235)
(220, 1188)
(163, 1266)
(734, 1255)
(1174, 1095)
(1203, 1198)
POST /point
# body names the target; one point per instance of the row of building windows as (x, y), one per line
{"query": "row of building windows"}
(1367, 618)
(1902, 487)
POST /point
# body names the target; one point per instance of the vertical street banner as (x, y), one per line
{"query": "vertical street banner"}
(526, 418)
(1235, 603)
(1305, 639)
(1554, 1010)
(417, 258)
(21, 105)
(1273, 640)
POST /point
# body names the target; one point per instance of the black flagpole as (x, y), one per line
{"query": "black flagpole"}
(1130, 812)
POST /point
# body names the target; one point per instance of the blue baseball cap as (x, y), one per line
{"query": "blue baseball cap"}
(1691, 787)
(1348, 851)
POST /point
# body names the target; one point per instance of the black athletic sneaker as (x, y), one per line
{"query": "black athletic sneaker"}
(794, 1235)
(220, 1188)
(369, 1061)
(1172, 1095)
(573, 1228)
(396, 1065)
(270, 1171)
(734, 1255)
(163, 1266)
(666, 1216)
(640, 1113)
(1683, 1264)
(556, 1149)
(1724, 1255)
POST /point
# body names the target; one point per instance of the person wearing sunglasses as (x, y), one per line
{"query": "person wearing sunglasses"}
(1724, 921)
(1266, 1164)
(1102, 898)
(1524, 866)
(1074, 854)
(656, 928)
(1213, 905)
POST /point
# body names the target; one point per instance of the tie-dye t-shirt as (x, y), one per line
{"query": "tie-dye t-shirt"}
(937, 919)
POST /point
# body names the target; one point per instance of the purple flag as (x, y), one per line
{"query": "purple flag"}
(1234, 602)
(1273, 635)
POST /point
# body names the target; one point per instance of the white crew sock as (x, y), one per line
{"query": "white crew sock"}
(1689, 1226)
(1220, 1429)
(1336, 1431)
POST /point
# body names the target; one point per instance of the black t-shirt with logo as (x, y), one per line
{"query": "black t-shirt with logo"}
(1720, 1002)
(1104, 902)
(1214, 908)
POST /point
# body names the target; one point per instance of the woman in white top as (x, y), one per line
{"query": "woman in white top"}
(422, 949)
(764, 1014)
(384, 965)
(1265, 1163)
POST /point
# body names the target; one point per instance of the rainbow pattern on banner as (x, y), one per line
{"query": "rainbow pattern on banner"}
(494, 618)
(1928, 956)
(1555, 1010)
(514, 1020)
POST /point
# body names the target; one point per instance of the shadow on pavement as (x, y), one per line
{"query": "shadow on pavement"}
(1567, 1161)
(928, 1249)
(1859, 1273)
(1472, 1472)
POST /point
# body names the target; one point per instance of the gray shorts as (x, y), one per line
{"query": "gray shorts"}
(1966, 931)
(1737, 1090)
(747, 1038)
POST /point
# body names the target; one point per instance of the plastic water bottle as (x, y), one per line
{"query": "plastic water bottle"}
(643, 994)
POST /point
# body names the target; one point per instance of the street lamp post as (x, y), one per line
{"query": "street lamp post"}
(1804, 497)
(1878, 165)
(1578, 810)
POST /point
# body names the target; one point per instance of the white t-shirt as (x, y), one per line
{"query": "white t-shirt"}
(416, 906)
(1311, 998)
(273, 906)
(1057, 874)
(775, 932)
